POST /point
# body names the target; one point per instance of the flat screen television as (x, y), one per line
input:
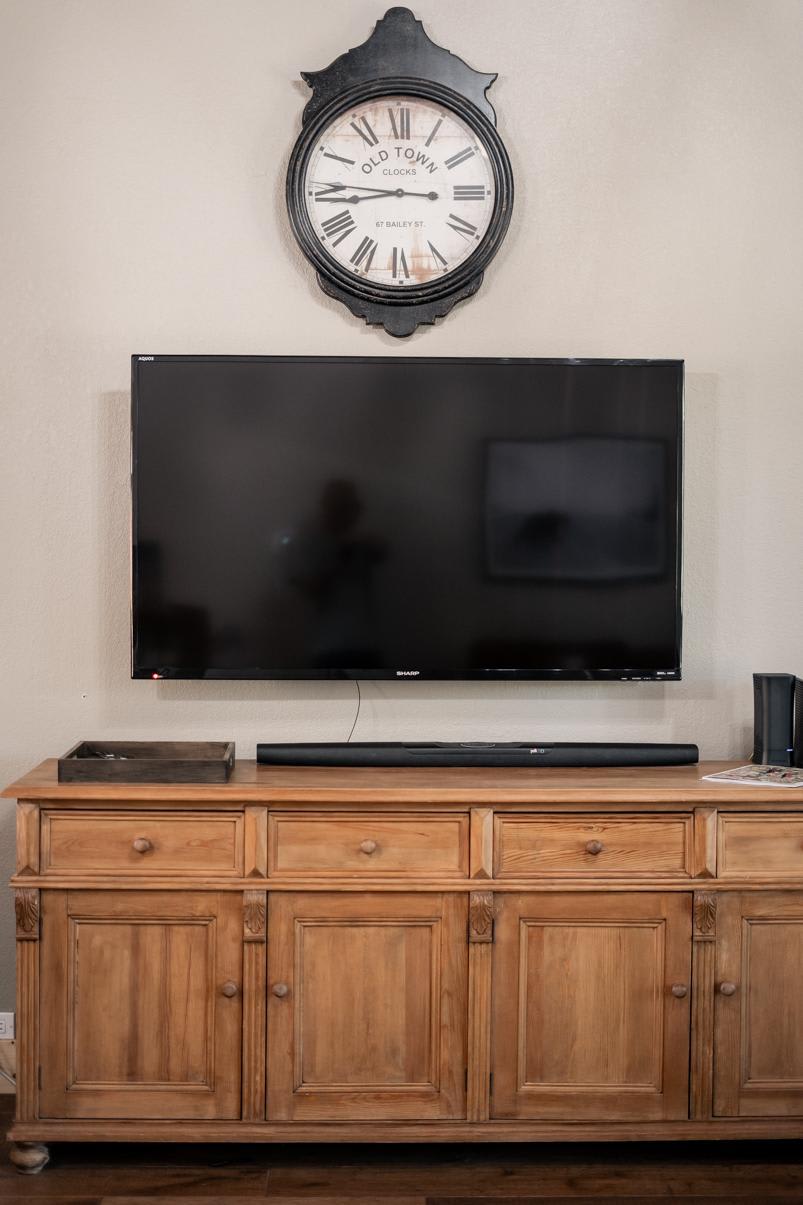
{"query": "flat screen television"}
(402, 517)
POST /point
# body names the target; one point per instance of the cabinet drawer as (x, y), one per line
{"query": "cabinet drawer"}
(760, 846)
(142, 843)
(536, 846)
(368, 844)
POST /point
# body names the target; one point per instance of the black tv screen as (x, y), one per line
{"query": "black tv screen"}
(395, 517)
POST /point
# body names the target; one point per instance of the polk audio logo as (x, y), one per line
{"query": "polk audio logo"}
(407, 673)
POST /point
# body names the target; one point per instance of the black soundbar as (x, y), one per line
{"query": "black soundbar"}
(475, 753)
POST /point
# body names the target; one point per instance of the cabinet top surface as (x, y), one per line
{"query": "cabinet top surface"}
(251, 783)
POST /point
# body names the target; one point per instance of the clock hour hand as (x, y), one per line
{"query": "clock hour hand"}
(404, 192)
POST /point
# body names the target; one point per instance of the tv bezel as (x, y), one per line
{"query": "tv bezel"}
(409, 673)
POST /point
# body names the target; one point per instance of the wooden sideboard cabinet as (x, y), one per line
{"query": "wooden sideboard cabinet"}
(408, 955)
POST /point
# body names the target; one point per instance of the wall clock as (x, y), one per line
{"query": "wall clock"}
(399, 188)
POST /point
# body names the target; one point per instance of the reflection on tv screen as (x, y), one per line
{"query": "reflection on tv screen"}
(579, 509)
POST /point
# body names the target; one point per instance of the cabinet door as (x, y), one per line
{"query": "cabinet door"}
(135, 1022)
(758, 1005)
(367, 1006)
(587, 1025)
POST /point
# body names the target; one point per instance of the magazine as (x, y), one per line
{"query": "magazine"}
(760, 776)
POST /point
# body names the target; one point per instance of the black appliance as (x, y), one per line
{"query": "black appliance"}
(477, 753)
(774, 713)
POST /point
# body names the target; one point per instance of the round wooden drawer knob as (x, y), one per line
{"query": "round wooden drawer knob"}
(594, 847)
(280, 990)
(680, 990)
(727, 989)
(229, 988)
(142, 845)
(368, 847)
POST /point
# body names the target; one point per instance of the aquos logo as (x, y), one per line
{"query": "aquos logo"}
(407, 673)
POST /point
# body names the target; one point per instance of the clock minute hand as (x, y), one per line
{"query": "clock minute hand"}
(340, 199)
(355, 200)
(376, 192)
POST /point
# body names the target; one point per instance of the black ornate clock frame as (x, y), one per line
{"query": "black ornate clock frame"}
(399, 59)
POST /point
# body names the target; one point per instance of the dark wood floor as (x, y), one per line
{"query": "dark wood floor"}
(746, 1173)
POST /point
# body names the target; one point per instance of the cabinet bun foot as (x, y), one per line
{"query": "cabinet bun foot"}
(29, 1157)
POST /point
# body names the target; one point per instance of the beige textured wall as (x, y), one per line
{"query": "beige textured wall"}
(657, 153)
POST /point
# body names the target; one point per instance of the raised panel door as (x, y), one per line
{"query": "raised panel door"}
(367, 1006)
(758, 1005)
(141, 1005)
(591, 1006)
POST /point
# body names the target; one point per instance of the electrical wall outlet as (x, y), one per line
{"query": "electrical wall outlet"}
(6, 1025)
(8, 1065)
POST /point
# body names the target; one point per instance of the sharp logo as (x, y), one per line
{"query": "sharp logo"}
(407, 673)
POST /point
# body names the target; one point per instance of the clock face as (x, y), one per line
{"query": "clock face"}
(400, 191)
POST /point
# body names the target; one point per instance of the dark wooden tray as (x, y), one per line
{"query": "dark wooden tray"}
(148, 761)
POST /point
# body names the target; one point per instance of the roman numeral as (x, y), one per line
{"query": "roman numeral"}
(469, 192)
(461, 226)
(341, 224)
(368, 136)
(400, 263)
(340, 158)
(435, 128)
(365, 251)
(436, 253)
(460, 157)
(401, 129)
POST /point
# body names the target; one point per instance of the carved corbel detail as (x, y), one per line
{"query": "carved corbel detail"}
(481, 916)
(254, 912)
(705, 915)
(26, 907)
